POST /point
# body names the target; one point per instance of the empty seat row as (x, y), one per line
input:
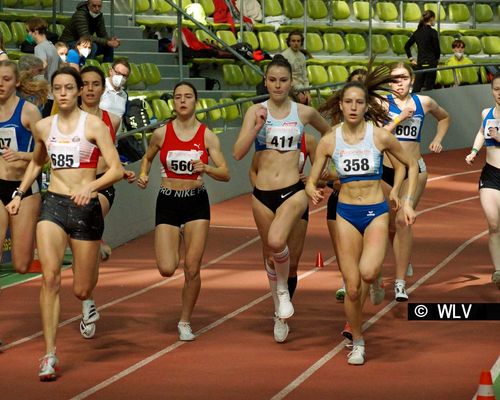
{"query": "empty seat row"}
(16, 33)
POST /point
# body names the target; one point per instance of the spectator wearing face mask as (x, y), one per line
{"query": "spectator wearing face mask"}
(77, 56)
(88, 20)
(458, 57)
(46, 51)
(114, 98)
(62, 50)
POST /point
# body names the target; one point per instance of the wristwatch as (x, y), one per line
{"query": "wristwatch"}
(18, 192)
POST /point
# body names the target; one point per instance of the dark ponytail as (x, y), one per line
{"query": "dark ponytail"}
(425, 18)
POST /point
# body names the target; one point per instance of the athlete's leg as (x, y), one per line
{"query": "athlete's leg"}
(490, 201)
(296, 246)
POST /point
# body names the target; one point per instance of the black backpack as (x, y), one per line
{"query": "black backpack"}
(244, 50)
(136, 116)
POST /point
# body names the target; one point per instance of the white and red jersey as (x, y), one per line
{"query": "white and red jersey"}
(176, 155)
(302, 154)
(71, 150)
(107, 120)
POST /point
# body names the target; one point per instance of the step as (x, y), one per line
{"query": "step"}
(152, 57)
(138, 45)
(120, 19)
(169, 83)
(172, 70)
(127, 32)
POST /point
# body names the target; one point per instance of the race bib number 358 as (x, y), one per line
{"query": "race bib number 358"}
(65, 155)
(356, 162)
(282, 138)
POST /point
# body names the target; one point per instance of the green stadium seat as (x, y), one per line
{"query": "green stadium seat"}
(355, 43)
(150, 74)
(250, 38)
(269, 42)
(354, 67)
(252, 77)
(201, 116)
(472, 44)
(6, 34)
(59, 29)
(314, 42)
(445, 44)
(202, 36)
(227, 37)
(491, 44)
(337, 73)
(458, 12)
(231, 112)
(214, 115)
(380, 44)
(398, 44)
(484, 13)
(148, 109)
(46, 3)
(232, 75)
(141, 6)
(28, 3)
(18, 30)
(340, 9)
(386, 11)
(445, 77)
(362, 10)
(208, 6)
(317, 75)
(282, 39)
(105, 67)
(333, 43)
(411, 12)
(161, 109)
(316, 9)
(135, 76)
(293, 8)
(245, 106)
(10, 3)
(433, 7)
(273, 8)
(92, 62)
(160, 7)
(468, 75)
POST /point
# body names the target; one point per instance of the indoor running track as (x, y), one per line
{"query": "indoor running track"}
(136, 354)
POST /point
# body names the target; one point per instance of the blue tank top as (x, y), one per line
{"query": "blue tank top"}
(280, 134)
(411, 128)
(13, 134)
(490, 122)
(359, 162)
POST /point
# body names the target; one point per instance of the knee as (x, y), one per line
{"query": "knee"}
(353, 292)
(166, 271)
(22, 267)
(400, 223)
(81, 292)
(276, 245)
(191, 272)
(368, 276)
(493, 228)
(51, 281)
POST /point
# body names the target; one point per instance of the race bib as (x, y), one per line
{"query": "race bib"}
(8, 138)
(65, 155)
(408, 129)
(492, 126)
(282, 138)
(353, 162)
(179, 161)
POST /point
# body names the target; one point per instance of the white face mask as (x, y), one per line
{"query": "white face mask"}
(63, 57)
(85, 52)
(94, 15)
(459, 54)
(39, 78)
(118, 80)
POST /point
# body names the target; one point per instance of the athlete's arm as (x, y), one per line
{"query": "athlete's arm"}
(478, 141)
(254, 120)
(323, 151)
(219, 172)
(153, 148)
(399, 177)
(443, 119)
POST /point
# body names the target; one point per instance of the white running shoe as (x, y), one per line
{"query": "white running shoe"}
(87, 330)
(89, 312)
(281, 330)
(409, 270)
(357, 355)
(285, 310)
(496, 279)
(377, 291)
(340, 294)
(48, 367)
(400, 291)
(185, 332)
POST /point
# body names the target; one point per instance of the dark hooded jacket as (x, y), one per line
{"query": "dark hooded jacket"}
(82, 24)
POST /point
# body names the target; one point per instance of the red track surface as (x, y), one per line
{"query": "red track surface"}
(136, 355)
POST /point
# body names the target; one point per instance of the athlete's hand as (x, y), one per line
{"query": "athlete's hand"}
(315, 194)
(13, 207)
(143, 181)
(394, 200)
(435, 147)
(303, 178)
(199, 166)
(82, 196)
(406, 113)
(260, 117)
(469, 159)
(10, 155)
(129, 176)
(410, 214)
(495, 135)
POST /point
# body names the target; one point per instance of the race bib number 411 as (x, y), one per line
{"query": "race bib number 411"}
(179, 161)
(282, 138)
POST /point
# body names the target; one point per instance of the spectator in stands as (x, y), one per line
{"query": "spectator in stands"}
(62, 50)
(3, 54)
(297, 60)
(458, 57)
(87, 21)
(114, 99)
(46, 51)
(31, 70)
(427, 41)
(77, 56)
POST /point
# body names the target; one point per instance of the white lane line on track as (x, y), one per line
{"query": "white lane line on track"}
(437, 178)
(446, 205)
(166, 350)
(332, 353)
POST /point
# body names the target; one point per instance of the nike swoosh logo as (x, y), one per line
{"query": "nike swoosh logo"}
(286, 195)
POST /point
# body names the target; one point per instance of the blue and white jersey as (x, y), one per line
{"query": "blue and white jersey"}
(410, 129)
(490, 124)
(13, 134)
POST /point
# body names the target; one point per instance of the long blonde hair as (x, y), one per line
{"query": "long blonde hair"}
(35, 91)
